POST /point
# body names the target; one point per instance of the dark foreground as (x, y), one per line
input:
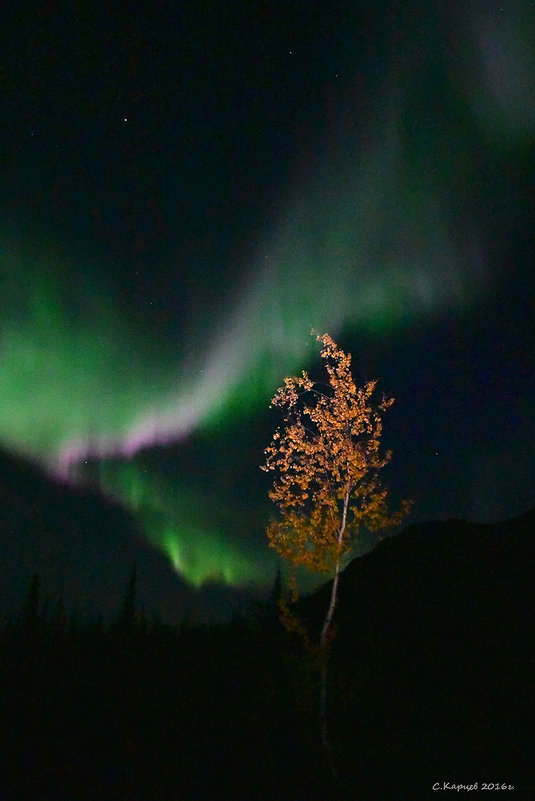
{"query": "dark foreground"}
(431, 687)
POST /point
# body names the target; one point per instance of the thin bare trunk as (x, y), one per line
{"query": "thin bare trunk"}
(330, 612)
(324, 675)
(325, 646)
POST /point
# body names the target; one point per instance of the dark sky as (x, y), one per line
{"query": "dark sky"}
(187, 190)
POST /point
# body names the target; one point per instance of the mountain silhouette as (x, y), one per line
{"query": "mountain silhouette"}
(432, 663)
(83, 546)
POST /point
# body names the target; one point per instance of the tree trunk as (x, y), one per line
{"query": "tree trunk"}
(324, 675)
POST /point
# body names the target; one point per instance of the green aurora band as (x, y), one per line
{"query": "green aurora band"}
(369, 238)
(180, 521)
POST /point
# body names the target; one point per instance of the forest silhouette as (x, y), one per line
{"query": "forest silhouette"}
(430, 683)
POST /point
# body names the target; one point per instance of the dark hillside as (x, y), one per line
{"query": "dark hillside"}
(433, 663)
(430, 682)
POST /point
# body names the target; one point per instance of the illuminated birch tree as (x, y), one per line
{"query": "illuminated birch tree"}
(327, 459)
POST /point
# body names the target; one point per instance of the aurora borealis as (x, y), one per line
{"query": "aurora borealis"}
(186, 199)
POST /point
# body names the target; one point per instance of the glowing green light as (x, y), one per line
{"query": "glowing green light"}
(366, 241)
(183, 525)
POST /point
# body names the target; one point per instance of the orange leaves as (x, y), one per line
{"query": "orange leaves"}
(307, 541)
(326, 461)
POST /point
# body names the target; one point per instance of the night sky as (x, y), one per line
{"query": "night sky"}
(189, 188)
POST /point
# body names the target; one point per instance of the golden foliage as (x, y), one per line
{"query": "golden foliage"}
(326, 459)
